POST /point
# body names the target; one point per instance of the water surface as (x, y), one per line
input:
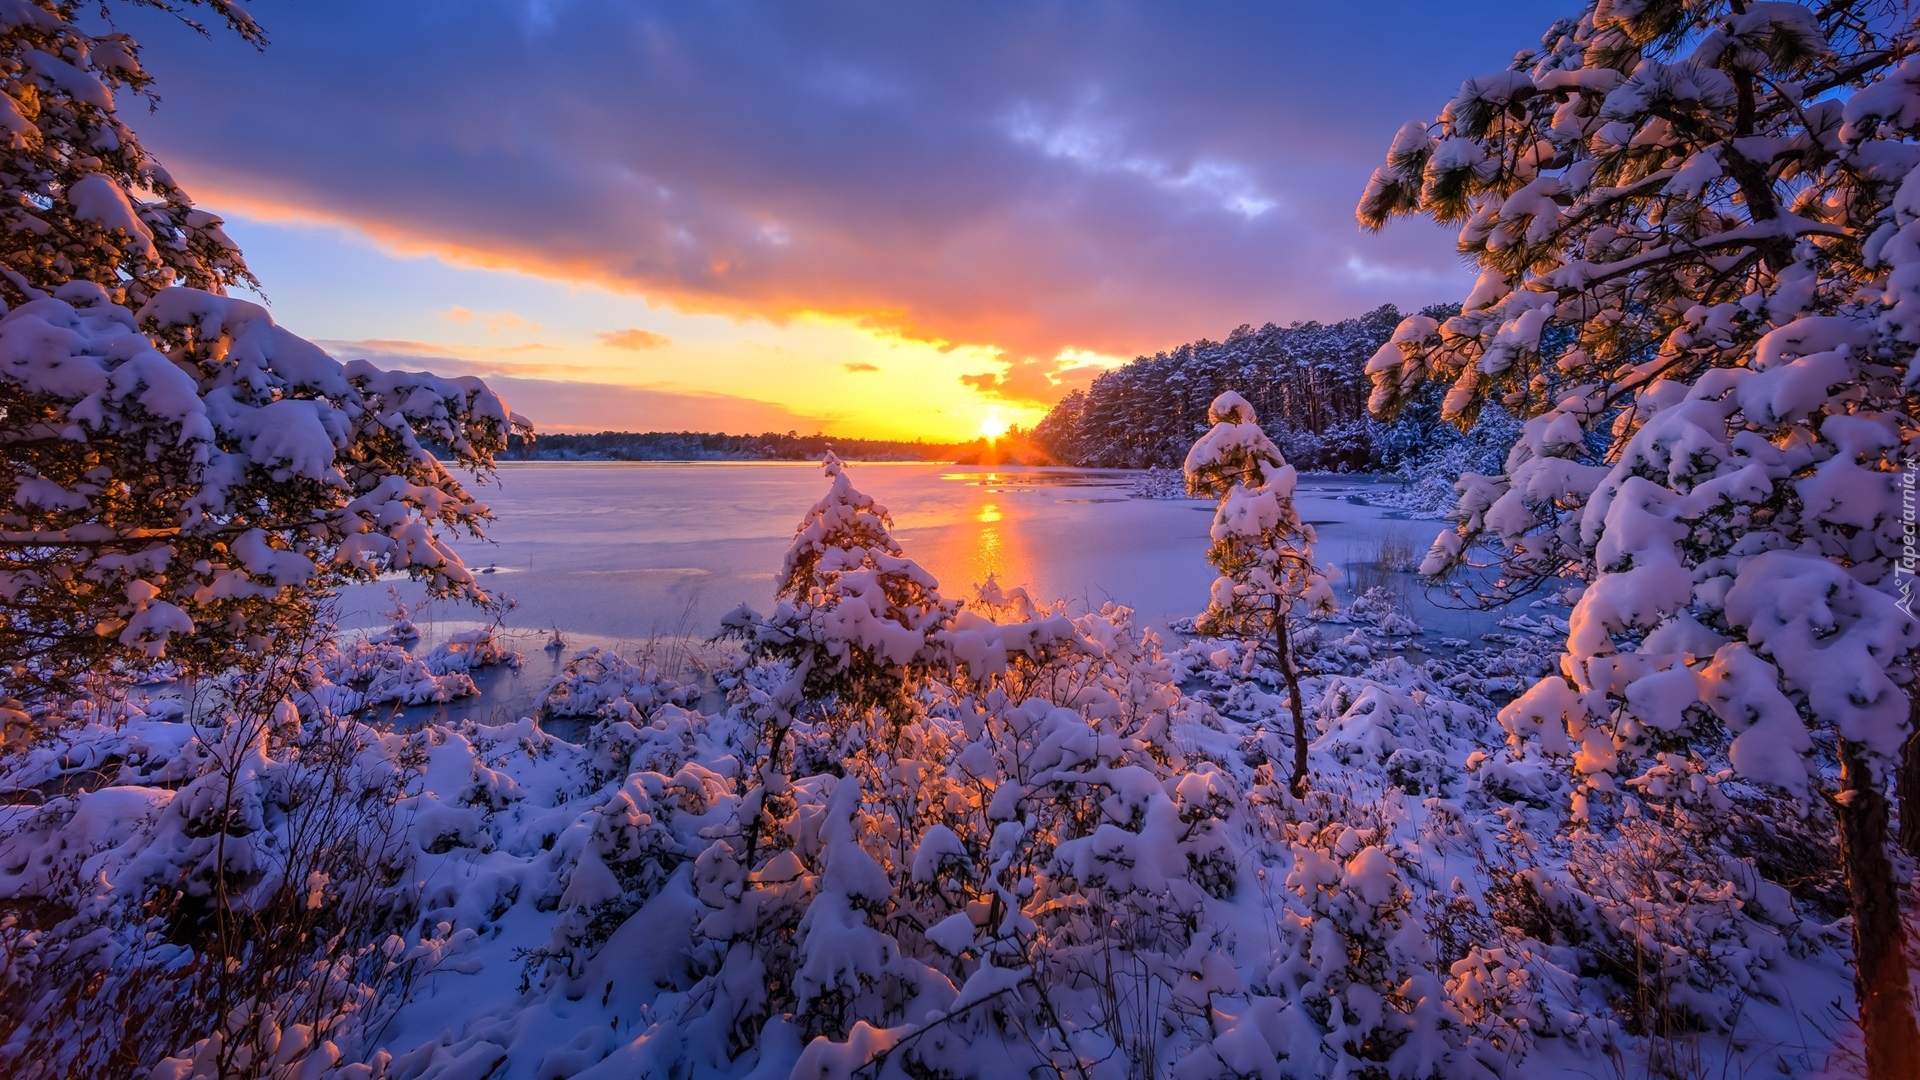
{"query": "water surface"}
(646, 557)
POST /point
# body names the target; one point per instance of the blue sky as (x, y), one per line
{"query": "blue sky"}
(864, 217)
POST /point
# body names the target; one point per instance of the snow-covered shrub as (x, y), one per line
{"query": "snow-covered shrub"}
(1384, 610)
(1364, 966)
(236, 906)
(616, 857)
(1364, 720)
(374, 674)
(1670, 927)
(470, 650)
(598, 682)
(1159, 484)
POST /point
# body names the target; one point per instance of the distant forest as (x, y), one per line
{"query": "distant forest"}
(1307, 381)
(706, 446)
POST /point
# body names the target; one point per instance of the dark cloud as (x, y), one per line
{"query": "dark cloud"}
(1114, 177)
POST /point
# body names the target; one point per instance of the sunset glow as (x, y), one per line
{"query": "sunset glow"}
(694, 234)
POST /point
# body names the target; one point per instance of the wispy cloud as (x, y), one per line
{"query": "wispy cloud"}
(858, 366)
(494, 323)
(1100, 146)
(407, 346)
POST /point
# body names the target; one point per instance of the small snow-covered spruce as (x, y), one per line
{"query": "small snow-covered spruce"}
(850, 634)
(1722, 200)
(1260, 546)
(854, 615)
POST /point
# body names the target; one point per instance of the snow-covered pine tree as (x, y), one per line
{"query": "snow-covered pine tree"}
(84, 201)
(854, 624)
(1722, 201)
(182, 477)
(1260, 546)
(855, 614)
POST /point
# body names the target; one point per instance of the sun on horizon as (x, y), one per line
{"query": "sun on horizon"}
(994, 425)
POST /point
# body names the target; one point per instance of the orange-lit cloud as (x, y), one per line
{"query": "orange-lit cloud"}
(859, 366)
(1035, 382)
(633, 338)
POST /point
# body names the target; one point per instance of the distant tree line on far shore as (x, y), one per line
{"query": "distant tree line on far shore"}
(710, 446)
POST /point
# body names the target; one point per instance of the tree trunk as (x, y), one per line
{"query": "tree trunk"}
(1292, 676)
(1907, 787)
(1880, 975)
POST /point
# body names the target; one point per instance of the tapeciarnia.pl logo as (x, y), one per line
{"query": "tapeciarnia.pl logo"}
(1909, 525)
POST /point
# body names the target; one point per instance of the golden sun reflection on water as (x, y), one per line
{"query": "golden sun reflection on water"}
(992, 552)
(986, 530)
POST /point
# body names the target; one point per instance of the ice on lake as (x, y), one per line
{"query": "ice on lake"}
(649, 555)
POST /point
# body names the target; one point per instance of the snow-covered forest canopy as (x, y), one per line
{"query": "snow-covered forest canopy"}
(903, 828)
(1308, 382)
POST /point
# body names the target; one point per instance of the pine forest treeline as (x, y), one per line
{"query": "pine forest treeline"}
(1307, 382)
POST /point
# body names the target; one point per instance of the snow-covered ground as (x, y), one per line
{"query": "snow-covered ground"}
(1068, 850)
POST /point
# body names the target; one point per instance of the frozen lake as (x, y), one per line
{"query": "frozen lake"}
(643, 556)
